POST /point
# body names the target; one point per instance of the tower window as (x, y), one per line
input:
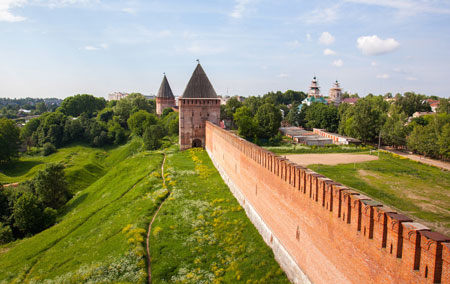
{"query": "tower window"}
(207, 114)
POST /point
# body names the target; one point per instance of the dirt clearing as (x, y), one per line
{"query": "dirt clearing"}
(329, 159)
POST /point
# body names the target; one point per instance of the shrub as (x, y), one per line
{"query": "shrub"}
(49, 149)
(6, 235)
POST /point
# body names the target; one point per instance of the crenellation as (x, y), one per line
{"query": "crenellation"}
(395, 233)
(389, 247)
(367, 217)
(431, 244)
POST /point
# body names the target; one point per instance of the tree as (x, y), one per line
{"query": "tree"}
(411, 103)
(51, 186)
(28, 130)
(76, 105)
(49, 149)
(268, 120)
(423, 140)
(166, 112)
(322, 116)
(28, 214)
(6, 234)
(105, 115)
(230, 109)
(394, 130)
(131, 104)
(444, 106)
(9, 140)
(364, 120)
(444, 141)
(152, 137)
(171, 123)
(141, 120)
(51, 129)
(247, 127)
(41, 107)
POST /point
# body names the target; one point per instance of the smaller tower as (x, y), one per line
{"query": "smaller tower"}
(164, 98)
(336, 94)
(314, 90)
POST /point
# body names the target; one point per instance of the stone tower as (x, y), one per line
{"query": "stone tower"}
(314, 90)
(198, 104)
(164, 98)
(336, 94)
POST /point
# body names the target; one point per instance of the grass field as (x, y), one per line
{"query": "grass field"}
(84, 165)
(302, 149)
(101, 234)
(202, 235)
(418, 190)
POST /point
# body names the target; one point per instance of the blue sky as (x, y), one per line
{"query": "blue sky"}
(58, 48)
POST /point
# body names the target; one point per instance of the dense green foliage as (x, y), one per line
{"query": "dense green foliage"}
(78, 104)
(322, 116)
(30, 208)
(85, 118)
(9, 140)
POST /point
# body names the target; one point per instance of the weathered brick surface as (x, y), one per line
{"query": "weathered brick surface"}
(334, 234)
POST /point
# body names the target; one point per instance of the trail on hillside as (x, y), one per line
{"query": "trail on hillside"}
(41, 253)
(149, 259)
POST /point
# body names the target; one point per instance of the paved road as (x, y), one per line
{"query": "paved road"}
(436, 163)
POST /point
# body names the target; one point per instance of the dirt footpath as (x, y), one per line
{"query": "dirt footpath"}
(329, 159)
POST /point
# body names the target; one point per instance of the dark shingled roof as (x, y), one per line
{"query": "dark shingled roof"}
(165, 91)
(199, 86)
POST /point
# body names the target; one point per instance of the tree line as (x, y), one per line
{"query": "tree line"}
(88, 119)
(371, 119)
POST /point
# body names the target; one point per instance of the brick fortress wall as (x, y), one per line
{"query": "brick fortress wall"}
(320, 230)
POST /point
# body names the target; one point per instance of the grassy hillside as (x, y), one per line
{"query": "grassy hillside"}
(419, 190)
(202, 235)
(84, 165)
(99, 238)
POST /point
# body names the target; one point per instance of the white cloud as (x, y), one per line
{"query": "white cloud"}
(321, 15)
(411, 78)
(373, 64)
(338, 63)
(383, 76)
(308, 37)
(326, 38)
(282, 75)
(373, 45)
(93, 48)
(409, 7)
(5, 10)
(239, 8)
(328, 51)
(293, 44)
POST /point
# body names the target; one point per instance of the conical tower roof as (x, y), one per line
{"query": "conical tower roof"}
(165, 91)
(199, 86)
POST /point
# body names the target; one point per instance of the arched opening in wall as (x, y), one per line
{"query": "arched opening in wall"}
(197, 143)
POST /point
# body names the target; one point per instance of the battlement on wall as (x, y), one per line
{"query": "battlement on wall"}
(362, 240)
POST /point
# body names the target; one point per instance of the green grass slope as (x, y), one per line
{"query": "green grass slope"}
(84, 165)
(419, 190)
(202, 235)
(100, 237)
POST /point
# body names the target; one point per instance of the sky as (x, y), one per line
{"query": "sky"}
(59, 48)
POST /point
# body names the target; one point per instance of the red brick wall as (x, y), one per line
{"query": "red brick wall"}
(163, 103)
(334, 234)
(193, 115)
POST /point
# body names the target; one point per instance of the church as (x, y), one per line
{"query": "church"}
(198, 104)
